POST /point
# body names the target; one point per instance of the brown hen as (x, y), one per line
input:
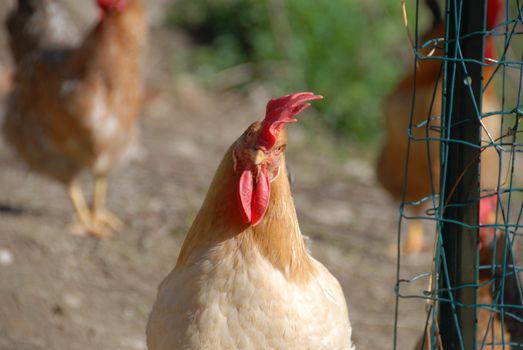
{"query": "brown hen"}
(422, 175)
(244, 278)
(75, 109)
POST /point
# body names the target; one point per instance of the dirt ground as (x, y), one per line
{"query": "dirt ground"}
(60, 291)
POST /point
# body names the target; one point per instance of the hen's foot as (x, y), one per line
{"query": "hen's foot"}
(80, 228)
(107, 220)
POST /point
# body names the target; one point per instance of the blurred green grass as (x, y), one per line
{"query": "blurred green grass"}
(350, 51)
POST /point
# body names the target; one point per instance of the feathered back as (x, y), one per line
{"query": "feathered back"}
(37, 24)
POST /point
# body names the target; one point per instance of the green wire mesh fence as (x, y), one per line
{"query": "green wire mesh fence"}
(464, 175)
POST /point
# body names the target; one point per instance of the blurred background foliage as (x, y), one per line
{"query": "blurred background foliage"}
(351, 51)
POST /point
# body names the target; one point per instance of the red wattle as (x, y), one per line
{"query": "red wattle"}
(260, 198)
(254, 197)
(245, 192)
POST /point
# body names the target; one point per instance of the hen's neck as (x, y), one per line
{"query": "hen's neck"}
(129, 23)
(117, 41)
(277, 237)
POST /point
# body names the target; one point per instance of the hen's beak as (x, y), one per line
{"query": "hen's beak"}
(259, 157)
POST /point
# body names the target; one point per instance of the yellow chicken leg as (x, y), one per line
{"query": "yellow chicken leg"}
(103, 218)
(77, 198)
(86, 224)
(415, 241)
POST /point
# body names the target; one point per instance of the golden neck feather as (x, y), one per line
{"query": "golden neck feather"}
(277, 237)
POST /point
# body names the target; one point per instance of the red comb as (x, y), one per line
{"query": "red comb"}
(494, 8)
(493, 11)
(281, 111)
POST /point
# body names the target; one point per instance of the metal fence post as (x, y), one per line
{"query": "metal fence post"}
(460, 171)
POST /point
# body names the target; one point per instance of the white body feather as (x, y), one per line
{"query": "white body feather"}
(232, 298)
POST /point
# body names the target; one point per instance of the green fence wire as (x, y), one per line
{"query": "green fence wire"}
(489, 208)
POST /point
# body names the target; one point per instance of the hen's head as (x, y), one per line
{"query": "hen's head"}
(258, 153)
(112, 5)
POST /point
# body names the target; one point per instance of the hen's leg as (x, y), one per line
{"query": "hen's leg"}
(77, 198)
(82, 211)
(415, 241)
(103, 218)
